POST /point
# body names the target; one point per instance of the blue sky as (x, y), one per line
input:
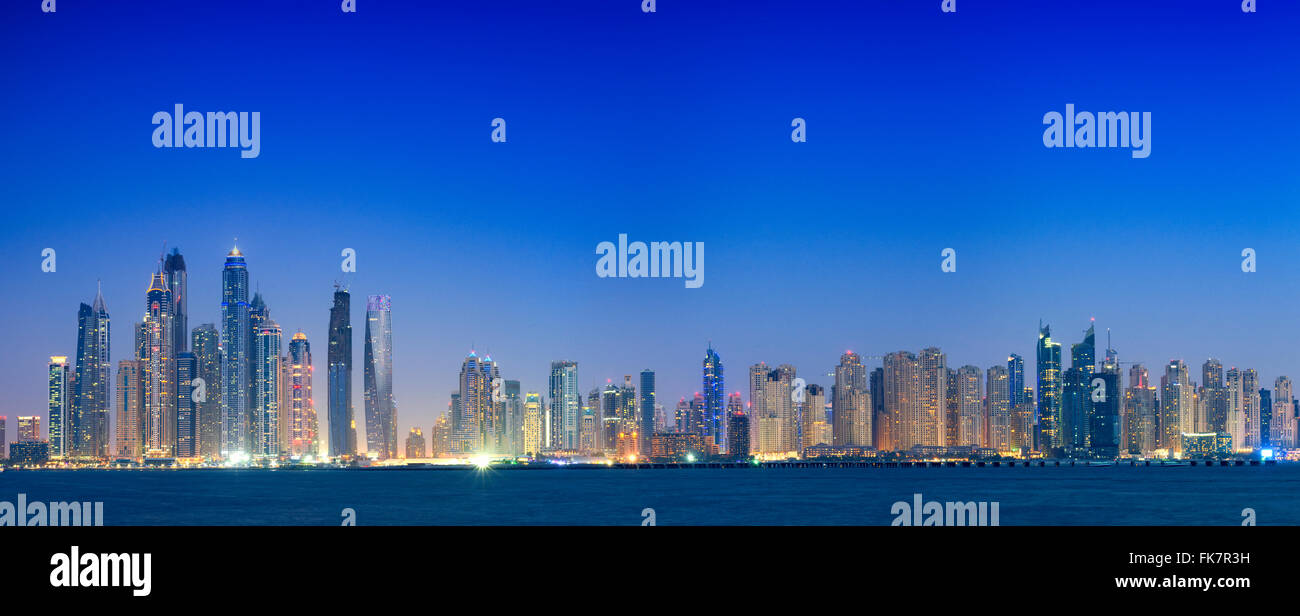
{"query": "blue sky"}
(924, 132)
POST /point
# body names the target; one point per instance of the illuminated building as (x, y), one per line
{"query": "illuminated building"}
(343, 429)
(381, 409)
(1177, 405)
(158, 421)
(714, 392)
(1213, 397)
(88, 419)
(1049, 390)
(737, 435)
(1141, 423)
(902, 385)
(647, 403)
(29, 428)
(187, 435)
(851, 403)
(471, 417)
(130, 400)
(415, 444)
(564, 405)
(677, 446)
(59, 404)
(532, 423)
(971, 431)
(236, 337)
(822, 452)
(29, 453)
(815, 429)
(205, 342)
(1001, 426)
(1076, 396)
(1206, 445)
(266, 388)
(1282, 423)
(302, 422)
(928, 424)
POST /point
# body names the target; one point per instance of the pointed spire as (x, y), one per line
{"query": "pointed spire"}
(98, 304)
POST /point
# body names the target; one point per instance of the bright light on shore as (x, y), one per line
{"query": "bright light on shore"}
(481, 461)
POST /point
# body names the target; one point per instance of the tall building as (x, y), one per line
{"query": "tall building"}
(1141, 416)
(533, 426)
(302, 424)
(1002, 428)
(415, 447)
(971, 430)
(177, 283)
(902, 383)
(511, 438)
(130, 404)
(206, 345)
(381, 409)
(647, 402)
(1076, 396)
(1213, 398)
(757, 401)
(715, 394)
(1282, 424)
(158, 422)
(89, 419)
(4, 439)
(342, 424)
(60, 405)
(737, 435)
(815, 429)
(236, 356)
(187, 408)
(851, 403)
(929, 424)
(879, 420)
(471, 422)
(629, 440)
(1177, 406)
(1049, 391)
(265, 412)
(564, 406)
(1265, 418)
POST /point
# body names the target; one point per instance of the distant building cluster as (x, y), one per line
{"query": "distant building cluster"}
(237, 394)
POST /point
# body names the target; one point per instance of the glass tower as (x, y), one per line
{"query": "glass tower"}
(235, 356)
(343, 429)
(381, 411)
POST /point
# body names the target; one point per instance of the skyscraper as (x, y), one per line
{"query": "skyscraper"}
(1141, 432)
(187, 425)
(207, 352)
(415, 447)
(1177, 406)
(158, 421)
(60, 404)
(302, 425)
(970, 430)
(265, 416)
(814, 429)
(1282, 424)
(90, 397)
(564, 406)
(715, 394)
(1213, 398)
(381, 409)
(647, 403)
(533, 427)
(343, 428)
(1076, 396)
(902, 381)
(471, 418)
(177, 283)
(929, 423)
(1049, 391)
(235, 356)
(130, 403)
(737, 435)
(1002, 428)
(851, 403)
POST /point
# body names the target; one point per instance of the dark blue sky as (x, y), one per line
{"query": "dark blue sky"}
(924, 132)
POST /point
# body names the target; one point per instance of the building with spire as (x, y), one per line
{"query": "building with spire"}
(236, 339)
(381, 408)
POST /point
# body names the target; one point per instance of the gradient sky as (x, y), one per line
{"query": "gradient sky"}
(924, 132)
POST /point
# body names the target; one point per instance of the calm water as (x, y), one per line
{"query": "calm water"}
(1038, 496)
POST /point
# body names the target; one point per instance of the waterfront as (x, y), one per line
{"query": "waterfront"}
(1114, 495)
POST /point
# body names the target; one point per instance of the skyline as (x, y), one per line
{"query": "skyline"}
(168, 279)
(664, 127)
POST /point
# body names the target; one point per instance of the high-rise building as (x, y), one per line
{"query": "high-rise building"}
(929, 424)
(971, 430)
(715, 394)
(236, 356)
(4, 439)
(178, 284)
(1213, 398)
(342, 424)
(1049, 391)
(564, 406)
(511, 438)
(629, 440)
(902, 384)
(815, 428)
(951, 410)
(415, 447)
(471, 422)
(1076, 395)
(851, 403)
(606, 414)
(158, 422)
(1177, 406)
(130, 404)
(206, 344)
(89, 418)
(1142, 419)
(737, 436)
(1252, 405)
(647, 402)
(265, 415)
(1282, 423)
(533, 425)
(60, 405)
(303, 427)
(1002, 428)
(879, 420)
(757, 401)
(1265, 418)
(1023, 406)
(187, 424)
(381, 409)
